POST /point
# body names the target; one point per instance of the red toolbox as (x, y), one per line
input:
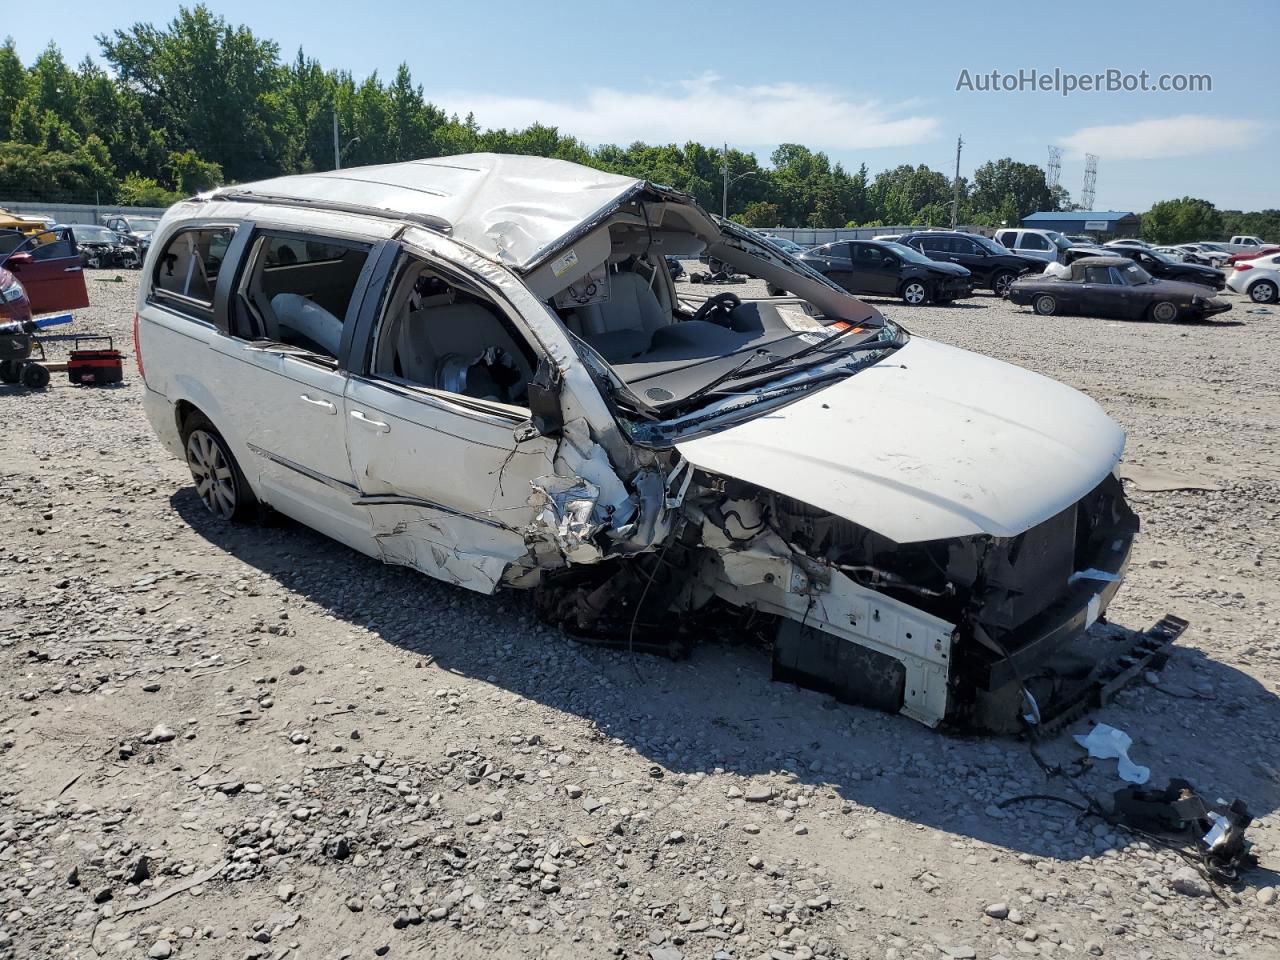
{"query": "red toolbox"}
(93, 366)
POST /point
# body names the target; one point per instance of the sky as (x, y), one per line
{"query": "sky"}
(880, 84)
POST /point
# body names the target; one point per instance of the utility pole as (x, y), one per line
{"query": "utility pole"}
(724, 194)
(337, 153)
(955, 193)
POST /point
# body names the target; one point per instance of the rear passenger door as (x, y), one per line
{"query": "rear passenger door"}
(438, 421)
(875, 269)
(290, 301)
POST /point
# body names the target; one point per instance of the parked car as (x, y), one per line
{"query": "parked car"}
(785, 244)
(1164, 267)
(135, 230)
(1082, 238)
(47, 264)
(1047, 245)
(1257, 279)
(993, 266)
(1251, 255)
(1116, 287)
(1173, 253)
(1204, 254)
(14, 304)
(481, 370)
(889, 238)
(889, 270)
(1246, 243)
(1127, 242)
(100, 247)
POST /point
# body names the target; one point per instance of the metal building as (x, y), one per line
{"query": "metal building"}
(1099, 224)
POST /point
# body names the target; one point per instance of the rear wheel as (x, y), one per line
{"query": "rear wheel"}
(1164, 312)
(1046, 305)
(220, 484)
(775, 291)
(915, 292)
(1001, 281)
(35, 376)
(1264, 291)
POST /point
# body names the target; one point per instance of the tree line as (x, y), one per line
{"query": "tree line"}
(200, 102)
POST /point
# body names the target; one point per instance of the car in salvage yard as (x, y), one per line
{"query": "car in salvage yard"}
(993, 266)
(1160, 265)
(888, 270)
(1257, 279)
(1116, 287)
(478, 366)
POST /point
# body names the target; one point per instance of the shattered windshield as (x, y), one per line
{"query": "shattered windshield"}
(1134, 275)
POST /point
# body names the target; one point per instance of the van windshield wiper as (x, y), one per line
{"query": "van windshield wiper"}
(822, 346)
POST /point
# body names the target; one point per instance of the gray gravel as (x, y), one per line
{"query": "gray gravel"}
(351, 760)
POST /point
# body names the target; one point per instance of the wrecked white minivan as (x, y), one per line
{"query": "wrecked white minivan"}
(478, 366)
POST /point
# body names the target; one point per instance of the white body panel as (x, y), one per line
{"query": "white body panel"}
(929, 443)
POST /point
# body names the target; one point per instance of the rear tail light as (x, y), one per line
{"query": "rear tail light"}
(137, 350)
(1244, 266)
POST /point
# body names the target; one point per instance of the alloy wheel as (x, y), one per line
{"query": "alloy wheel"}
(215, 480)
(1002, 284)
(1262, 292)
(913, 293)
(1164, 311)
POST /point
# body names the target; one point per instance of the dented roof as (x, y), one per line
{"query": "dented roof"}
(507, 207)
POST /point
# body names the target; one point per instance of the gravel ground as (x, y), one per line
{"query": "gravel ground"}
(230, 742)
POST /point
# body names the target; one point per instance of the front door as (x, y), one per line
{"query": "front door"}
(876, 270)
(48, 266)
(437, 428)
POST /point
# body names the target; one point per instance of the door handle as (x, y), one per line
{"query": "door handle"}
(324, 405)
(375, 425)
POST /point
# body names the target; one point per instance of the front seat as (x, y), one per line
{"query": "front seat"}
(622, 326)
(310, 321)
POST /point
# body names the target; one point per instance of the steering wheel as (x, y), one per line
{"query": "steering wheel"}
(718, 309)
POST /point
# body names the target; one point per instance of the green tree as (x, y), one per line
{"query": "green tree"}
(1182, 221)
(1011, 189)
(139, 191)
(13, 85)
(210, 85)
(191, 175)
(760, 214)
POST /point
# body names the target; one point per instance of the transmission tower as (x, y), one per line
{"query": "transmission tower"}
(1053, 171)
(1090, 181)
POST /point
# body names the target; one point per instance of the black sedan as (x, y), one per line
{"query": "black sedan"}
(101, 247)
(889, 270)
(992, 265)
(1115, 287)
(1164, 267)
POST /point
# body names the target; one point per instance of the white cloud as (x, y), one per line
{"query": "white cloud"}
(710, 111)
(1183, 136)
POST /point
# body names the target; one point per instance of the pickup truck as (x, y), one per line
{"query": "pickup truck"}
(1245, 243)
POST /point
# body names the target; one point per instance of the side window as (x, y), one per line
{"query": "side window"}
(929, 244)
(187, 270)
(1007, 238)
(442, 334)
(965, 246)
(297, 289)
(842, 250)
(53, 244)
(1098, 275)
(1033, 241)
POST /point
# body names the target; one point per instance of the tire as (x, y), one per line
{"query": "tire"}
(915, 292)
(1045, 304)
(9, 372)
(775, 291)
(1164, 312)
(1000, 282)
(220, 484)
(34, 376)
(1263, 291)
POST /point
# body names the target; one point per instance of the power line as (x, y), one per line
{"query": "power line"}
(1090, 181)
(1053, 170)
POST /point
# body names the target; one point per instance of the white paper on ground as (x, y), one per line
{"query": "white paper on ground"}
(1105, 742)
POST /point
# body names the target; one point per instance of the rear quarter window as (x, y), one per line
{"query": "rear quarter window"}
(186, 271)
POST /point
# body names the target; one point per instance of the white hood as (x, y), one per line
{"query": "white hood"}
(930, 443)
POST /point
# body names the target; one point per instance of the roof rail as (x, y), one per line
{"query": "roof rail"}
(337, 206)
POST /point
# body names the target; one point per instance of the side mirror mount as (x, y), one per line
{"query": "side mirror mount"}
(546, 418)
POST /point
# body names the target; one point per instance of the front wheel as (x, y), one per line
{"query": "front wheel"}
(1001, 282)
(1045, 305)
(915, 292)
(1264, 291)
(220, 484)
(1164, 312)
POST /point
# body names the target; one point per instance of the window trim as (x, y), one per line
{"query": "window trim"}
(181, 303)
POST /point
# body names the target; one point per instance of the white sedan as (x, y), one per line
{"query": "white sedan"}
(1259, 279)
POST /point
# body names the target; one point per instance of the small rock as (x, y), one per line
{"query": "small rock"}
(1188, 882)
(997, 911)
(102, 895)
(758, 793)
(159, 734)
(1266, 896)
(160, 950)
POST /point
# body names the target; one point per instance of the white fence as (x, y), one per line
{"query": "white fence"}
(76, 212)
